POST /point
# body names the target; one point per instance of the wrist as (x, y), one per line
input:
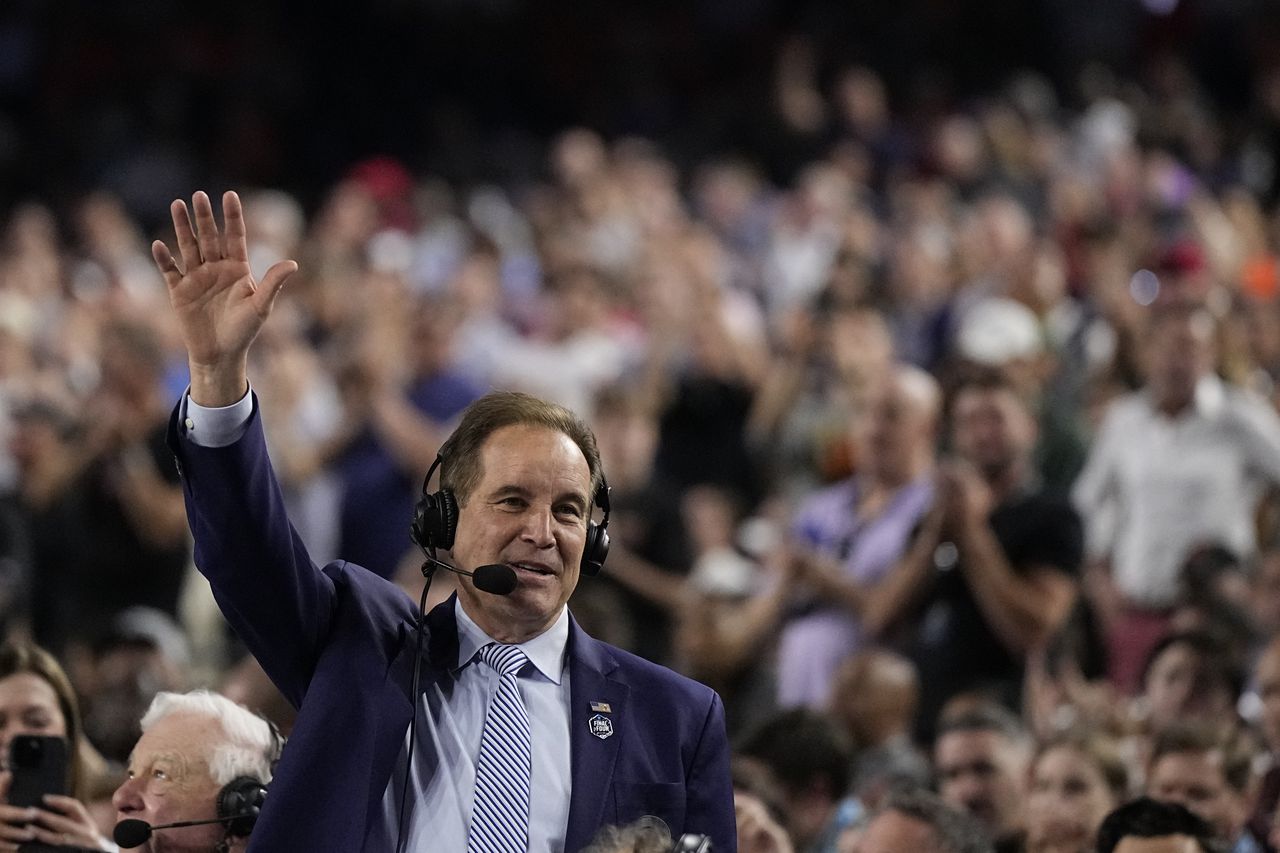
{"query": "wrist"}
(971, 526)
(219, 385)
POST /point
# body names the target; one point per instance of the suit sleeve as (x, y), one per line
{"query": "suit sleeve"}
(279, 603)
(709, 789)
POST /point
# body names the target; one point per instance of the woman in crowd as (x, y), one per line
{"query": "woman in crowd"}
(1075, 781)
(36, 698)
(1190, 676)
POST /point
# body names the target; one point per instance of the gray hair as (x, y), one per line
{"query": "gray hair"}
(954, 831)
(250, 747)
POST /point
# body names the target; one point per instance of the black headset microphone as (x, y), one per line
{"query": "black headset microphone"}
(135, 833)
(494, 578)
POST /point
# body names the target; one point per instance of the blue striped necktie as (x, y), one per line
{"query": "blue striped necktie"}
(500, 816)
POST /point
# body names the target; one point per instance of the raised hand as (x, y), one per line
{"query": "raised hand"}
(220, 308)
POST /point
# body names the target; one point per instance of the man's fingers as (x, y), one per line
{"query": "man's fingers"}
(206, 228)
(236, 243)
(187, 245)
(165, 263)
(272, 282)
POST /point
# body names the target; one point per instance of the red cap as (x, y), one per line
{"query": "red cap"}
(1182, 256)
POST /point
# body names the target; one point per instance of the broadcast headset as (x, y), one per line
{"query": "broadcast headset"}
(435, 520)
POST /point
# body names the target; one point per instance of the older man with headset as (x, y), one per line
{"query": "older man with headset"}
(197, 777)
(513, 730)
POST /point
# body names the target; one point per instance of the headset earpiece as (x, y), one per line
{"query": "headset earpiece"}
(597, 546)
(239, 802)
(435, 518)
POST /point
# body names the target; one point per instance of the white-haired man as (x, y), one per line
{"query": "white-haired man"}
(195, 748)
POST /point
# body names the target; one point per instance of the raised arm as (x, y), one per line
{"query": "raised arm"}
(277, 600)
(219, 305)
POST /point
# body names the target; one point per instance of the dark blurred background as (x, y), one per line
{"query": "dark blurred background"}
(151, 98)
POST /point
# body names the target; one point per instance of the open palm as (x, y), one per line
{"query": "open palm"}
(219, 305)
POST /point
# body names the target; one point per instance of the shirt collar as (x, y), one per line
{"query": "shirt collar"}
(545, 651)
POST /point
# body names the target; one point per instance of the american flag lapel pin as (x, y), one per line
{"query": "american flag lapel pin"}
(601, 708)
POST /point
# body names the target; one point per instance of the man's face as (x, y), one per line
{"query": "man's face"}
(984, 773)
(991, 429)
(529, 511)
(1196, 780)
(169, 780)
(892, 429)
(1181, 352)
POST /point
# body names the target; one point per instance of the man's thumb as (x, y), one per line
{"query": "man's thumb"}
(274, 280)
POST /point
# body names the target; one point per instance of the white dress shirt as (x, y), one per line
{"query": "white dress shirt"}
(1154, 487)
(451, 715)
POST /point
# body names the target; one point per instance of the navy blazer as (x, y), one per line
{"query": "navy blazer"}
(339, 643)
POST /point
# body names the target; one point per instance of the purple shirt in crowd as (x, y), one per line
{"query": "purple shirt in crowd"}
(814, 644)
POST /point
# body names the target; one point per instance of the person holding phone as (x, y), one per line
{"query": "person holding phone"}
(36, 698)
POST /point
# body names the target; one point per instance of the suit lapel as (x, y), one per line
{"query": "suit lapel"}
(594, 743)
(440, 654)
(439, 649)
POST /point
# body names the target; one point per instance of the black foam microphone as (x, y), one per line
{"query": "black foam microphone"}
(132, 832)
(494, 578)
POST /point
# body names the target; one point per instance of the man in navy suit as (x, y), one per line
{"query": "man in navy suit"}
(611, 737)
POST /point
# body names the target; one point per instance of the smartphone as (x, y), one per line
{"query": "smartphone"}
(39, 767)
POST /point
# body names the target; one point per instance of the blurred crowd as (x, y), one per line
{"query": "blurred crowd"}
(951, 463)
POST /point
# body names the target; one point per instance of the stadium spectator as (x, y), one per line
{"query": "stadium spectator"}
(1149, 826)
(1190, 677)
(809, 757)
(849, 536)
(922, 822)
(1076, 780)
(875, 697)
(991, 575)
(36, 698)
(981, 758)
(1211, 773)
(1180, 462)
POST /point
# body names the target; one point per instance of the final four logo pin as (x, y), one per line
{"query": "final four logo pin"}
(600, 726)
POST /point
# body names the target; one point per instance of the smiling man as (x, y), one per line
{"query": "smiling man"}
(530, 735)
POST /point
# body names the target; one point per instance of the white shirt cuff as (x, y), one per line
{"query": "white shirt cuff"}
(217, 427)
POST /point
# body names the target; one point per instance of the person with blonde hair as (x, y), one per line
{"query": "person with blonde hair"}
(1076, 780)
